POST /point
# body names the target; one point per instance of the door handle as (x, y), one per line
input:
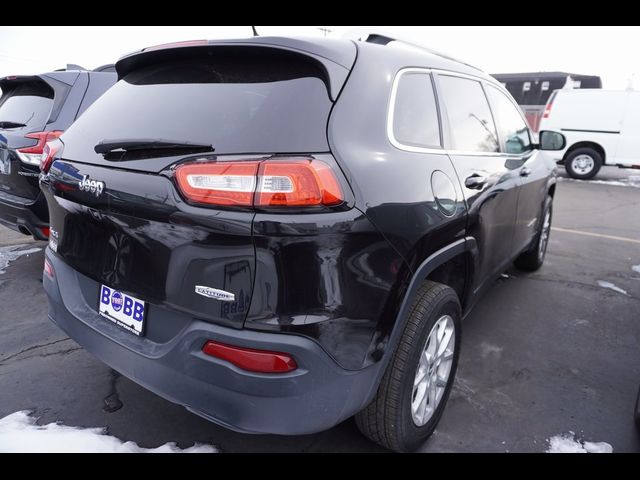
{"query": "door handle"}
(475, 182)
(525, 171)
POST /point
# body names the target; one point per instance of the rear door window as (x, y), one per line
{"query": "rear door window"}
(470, 120)
(239, 100)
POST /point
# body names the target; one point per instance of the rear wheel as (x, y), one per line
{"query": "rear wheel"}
(416, 385)
(533, 258)
(583, 163)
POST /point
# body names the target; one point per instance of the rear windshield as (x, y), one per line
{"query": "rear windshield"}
(25, 105)
(240, 100)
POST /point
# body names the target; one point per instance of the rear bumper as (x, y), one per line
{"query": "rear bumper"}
(19, 213)
(314, 397)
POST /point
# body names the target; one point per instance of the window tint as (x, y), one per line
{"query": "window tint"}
(512, 127)
(26, 104)
(472, 127)
(415, 116)
(240, 100)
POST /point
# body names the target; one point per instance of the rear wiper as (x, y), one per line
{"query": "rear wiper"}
(137, 144)
(8, 124)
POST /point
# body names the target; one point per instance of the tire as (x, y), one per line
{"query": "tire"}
(533, 258)
(583, 163)
(389, 419)
(636, 413)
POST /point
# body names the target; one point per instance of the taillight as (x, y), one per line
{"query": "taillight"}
(51, 149)
(262, 361)
(547, 109)
(285, 182)
(297, 183)
(218, 183)
(32, 155)
(48, 268)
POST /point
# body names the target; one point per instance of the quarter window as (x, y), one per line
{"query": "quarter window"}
(513, 129)
(470, 120)
(415, 115)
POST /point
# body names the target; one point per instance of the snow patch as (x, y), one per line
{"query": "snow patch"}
(611, 286)
(486, 349)
(630, 181)
(598, 447)
(10, 253)
(20, 434)
(635, 268)
(567, 443)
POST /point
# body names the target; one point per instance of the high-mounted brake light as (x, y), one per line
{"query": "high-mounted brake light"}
(285, 182)
(186, 43)
(262, 361)
(51, 149)
(32, 155)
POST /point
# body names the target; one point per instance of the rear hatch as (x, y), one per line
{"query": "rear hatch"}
(25, 107)
(120, 218)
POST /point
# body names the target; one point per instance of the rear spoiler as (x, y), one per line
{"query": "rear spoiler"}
(336, 56)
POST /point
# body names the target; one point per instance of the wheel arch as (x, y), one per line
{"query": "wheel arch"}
(441, 261)
(586, 144)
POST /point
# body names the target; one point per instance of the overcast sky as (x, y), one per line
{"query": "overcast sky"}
(610, 52)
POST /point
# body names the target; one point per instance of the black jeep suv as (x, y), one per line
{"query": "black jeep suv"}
(281, 233)
(33, 110)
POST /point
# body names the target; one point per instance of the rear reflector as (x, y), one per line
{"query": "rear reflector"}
(48, 268)
(285, 182)
(261, 361)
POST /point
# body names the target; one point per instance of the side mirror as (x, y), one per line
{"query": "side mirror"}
(551, 140)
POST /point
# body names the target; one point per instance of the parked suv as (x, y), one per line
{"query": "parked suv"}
(33, 110)
(280, 233)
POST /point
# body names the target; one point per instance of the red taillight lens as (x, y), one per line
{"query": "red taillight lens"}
(285, 182)
(51, 149)
(261, 361)
(547, 109)
(48, 268)
(297, 183)
(218, 183)
(43, 138)
(31, 155)
(45, 231)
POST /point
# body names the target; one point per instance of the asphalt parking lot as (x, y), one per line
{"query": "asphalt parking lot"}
(543, 354)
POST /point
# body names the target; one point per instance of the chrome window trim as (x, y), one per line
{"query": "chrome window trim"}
(391, 111)
(442, 151)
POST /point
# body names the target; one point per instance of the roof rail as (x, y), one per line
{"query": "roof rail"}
(109, 67)
(382, 39)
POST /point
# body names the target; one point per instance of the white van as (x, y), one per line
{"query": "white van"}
(602, 127)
